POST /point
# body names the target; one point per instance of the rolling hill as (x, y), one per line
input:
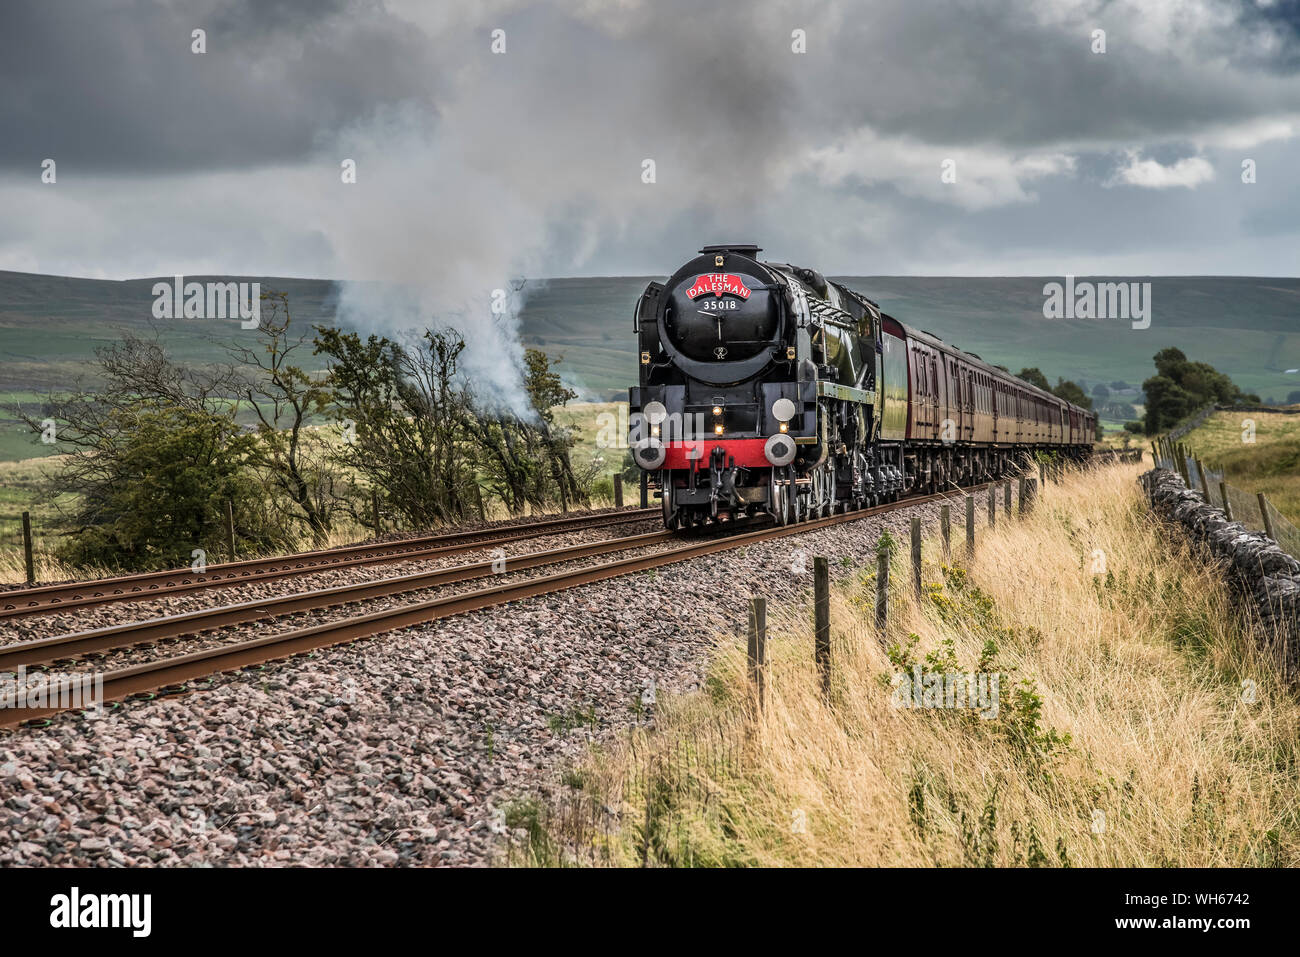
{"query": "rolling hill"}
(50, 327)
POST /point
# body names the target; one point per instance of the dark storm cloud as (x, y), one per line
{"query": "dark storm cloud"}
(473, 167)
(974, 71)
(114, 87)
(1281, 17)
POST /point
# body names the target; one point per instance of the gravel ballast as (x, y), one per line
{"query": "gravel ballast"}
(118, 612)
(402, 749)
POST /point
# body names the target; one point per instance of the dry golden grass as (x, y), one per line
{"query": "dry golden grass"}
(1167, 762)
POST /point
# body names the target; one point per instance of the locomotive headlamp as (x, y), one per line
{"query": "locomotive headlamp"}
(645, 358)
(717, 430)
(717, 410)
(789, 353)
(785, 426)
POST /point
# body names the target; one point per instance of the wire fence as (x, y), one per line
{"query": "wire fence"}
(1252, 509)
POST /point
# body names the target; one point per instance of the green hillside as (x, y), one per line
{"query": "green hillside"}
(50, 326)
(1248, 327)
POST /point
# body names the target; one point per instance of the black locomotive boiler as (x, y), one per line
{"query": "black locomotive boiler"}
(766, 388)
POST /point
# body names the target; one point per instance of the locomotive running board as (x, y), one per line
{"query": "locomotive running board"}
(833, 390)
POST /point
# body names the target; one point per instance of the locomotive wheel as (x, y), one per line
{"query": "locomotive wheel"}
(672, 520)
(775, 501)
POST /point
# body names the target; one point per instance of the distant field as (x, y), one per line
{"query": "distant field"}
(1271, 464)
(51, 325)
(21, 491)
(592, 446)
(16, 441)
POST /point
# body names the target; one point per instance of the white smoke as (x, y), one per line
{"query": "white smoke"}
(440, 244)
(517, 165)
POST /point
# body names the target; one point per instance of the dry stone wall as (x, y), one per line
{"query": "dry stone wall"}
(1256, 566)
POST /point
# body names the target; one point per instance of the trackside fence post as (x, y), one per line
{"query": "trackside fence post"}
(29, 561)
(882, 592)
(822, 621)
(757, 646)
(1268, 519)
(1205, 482)
(230, 528)
(970, 527)
(945, 528)
(916, 557)
(618, 491)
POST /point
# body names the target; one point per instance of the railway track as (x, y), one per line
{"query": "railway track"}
(175, 672)
(147, 585)
(112, 637)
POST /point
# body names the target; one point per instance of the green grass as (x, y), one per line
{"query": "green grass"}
(21, 490)
(1271, 464)
(586, 419)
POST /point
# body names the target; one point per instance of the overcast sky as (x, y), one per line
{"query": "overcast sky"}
(474, 165)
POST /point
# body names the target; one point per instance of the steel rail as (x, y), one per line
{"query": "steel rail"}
(146, 585)
(62, 647)
(176, 671)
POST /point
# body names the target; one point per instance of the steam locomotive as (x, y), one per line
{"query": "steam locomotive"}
(766, 388)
